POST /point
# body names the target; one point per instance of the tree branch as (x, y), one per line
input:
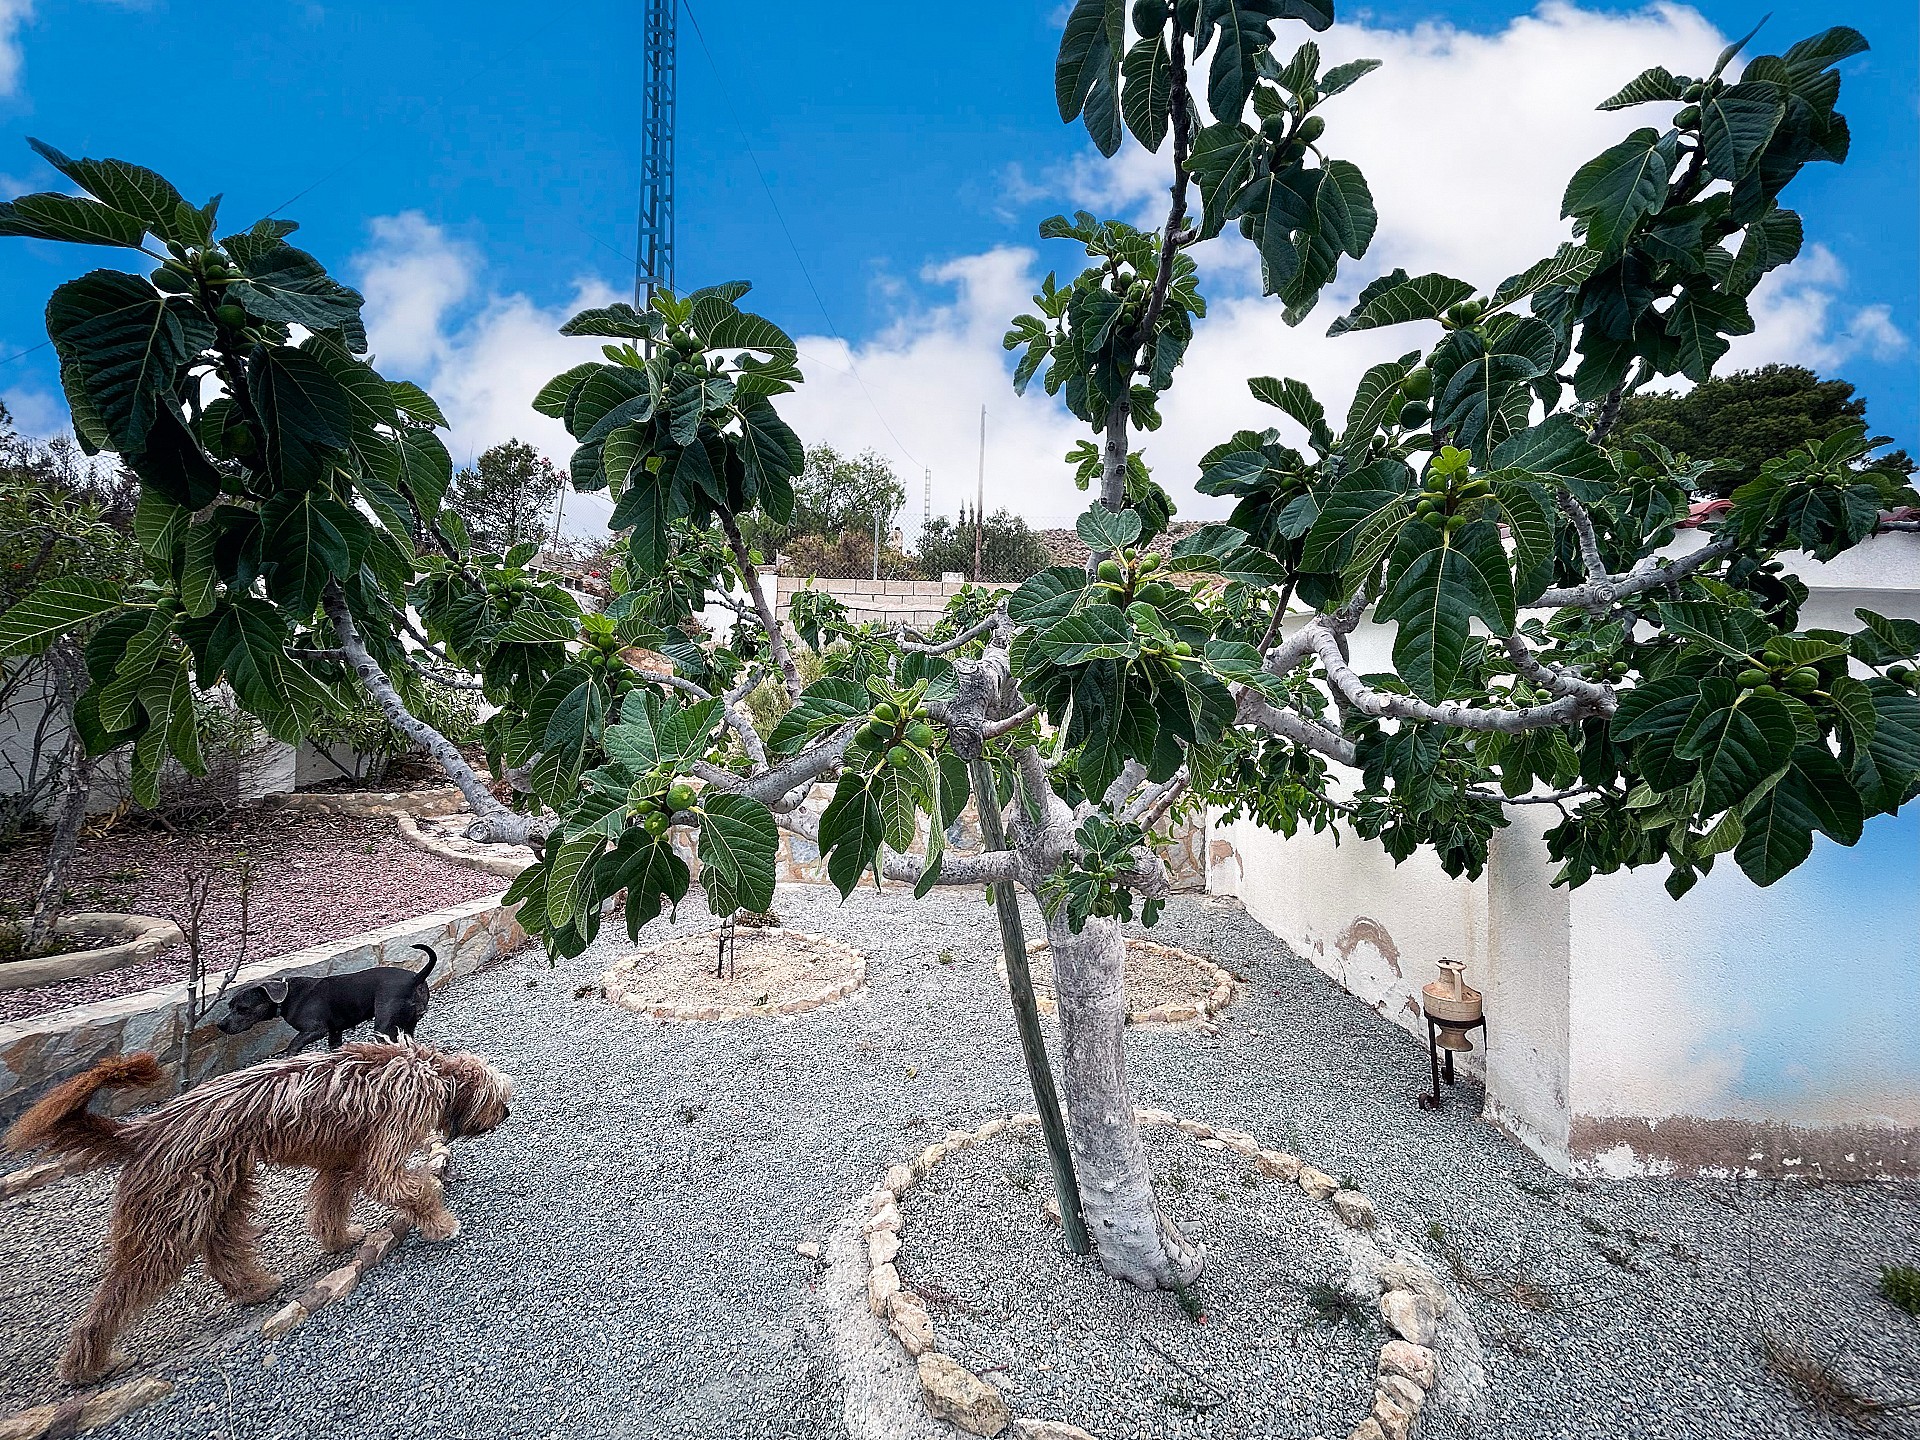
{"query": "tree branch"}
(1619, 587)
(493, 822)
(1453, 713)
(750, 575)
(1256, 709)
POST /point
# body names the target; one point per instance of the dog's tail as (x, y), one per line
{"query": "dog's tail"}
(62, 1122)
(427, 969)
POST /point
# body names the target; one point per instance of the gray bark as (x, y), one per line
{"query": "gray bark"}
(1136, 1240)
(493, 822)
(76, 784)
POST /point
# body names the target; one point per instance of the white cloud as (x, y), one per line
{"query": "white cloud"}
(1466, 138)
(482, 355)
(14, 14)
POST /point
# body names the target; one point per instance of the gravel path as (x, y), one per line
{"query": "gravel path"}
(627, 1266)
(315, 877)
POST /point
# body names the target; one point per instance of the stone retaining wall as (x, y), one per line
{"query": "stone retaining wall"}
(36, 1052)
(919, 603)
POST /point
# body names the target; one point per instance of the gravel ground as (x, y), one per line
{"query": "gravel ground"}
(41, 1298)
(1063, 1341)
(627, 1266)
(315, 878)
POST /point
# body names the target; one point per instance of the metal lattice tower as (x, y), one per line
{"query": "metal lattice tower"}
(653, 259)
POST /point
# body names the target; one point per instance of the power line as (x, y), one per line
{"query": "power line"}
(799, 259)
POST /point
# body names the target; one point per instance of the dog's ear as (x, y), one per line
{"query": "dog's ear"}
(276, 991)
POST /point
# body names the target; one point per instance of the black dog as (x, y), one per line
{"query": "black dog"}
(394, 999)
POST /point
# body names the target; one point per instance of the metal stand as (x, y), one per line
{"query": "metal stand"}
(1444, 1070)
(723, 962)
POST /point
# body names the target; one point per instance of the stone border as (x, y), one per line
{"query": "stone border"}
(475, 857)
(1412, 1299)
(144, 936)
(434, 800)
(615, 987)
(1217, 999)
(42, 1049)
(79, 1413)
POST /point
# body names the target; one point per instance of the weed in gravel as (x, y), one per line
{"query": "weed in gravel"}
(946, 957)
(1817, 1383)
(1350, 1182)
(1436, 1232)
(1250, 1180)
(1900, 1284)
(1593, 1226)
(1332, 1305)
(1176, 1180)
(1621, 1256)
(692, 1112)
(1022, 1179)
(1190, 1303)
(581, 992)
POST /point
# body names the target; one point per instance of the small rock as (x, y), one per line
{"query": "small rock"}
(1052, 1211)
(1195, 1128)
(807, 1249)
(289, 1317)
(1410, 1316)
(1048, 1430)
(1417, 1278)
(1414, 1362)
(1213, 1144)
(1404, 1393)
(884, 1283)
(930, 1157)
(1354, 1209)
(110, 1405)
(887, 1217)
(907, 1319)
(953, 1392)
(1367, 1430)
(900, 1179)
(1277, 1163)
(993, 1127)
(882, 1246)
(1316, 1183)
(1393, 1418)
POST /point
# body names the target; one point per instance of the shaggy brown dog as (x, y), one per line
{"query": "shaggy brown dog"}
(187, 1180)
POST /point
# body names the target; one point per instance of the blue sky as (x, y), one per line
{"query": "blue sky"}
(475, 165)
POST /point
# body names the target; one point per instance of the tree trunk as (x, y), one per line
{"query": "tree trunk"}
(76, 785)
(1135, 1240)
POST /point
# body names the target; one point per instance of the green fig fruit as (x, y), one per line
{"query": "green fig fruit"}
(680, 796)
(230, 315)
(1418, 385)
(1312, 128)
(1109, 571)
(885, 713)
(920, 733)
(656, 824)
(897, 755)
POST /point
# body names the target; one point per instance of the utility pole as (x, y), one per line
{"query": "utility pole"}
(980, 496)
(653, 257)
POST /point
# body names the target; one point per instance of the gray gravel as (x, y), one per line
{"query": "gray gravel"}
(627, 1266)
(1062, 1341)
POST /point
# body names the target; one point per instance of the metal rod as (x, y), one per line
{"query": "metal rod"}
(1026, 1016)
(980, 497)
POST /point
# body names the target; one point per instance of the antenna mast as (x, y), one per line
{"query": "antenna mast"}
(653, 257)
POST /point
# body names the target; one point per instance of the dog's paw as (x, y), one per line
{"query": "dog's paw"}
(258, 1288)
(349, 1237)
(443, 1226)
